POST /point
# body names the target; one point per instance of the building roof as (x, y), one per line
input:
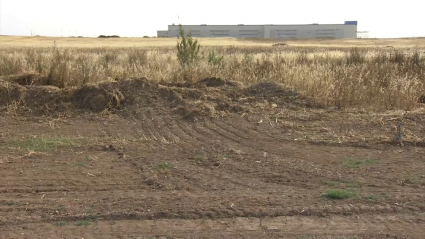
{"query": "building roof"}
(265, 25)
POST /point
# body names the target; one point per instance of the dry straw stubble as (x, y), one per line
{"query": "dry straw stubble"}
(367, 78)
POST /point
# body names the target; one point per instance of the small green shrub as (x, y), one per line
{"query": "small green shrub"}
(372, 197)
(81, 164)
(61, 223)
(338, 194)
(87, 220)
(164, 166)
(187, 48)
(214, 59)
(83, 223)
(201, 157)
(351, 163)
(61, 209)
(42, 144)
(9, 203)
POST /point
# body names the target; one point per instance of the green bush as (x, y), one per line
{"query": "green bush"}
(187, 48)
(338, 194)
(214, 59)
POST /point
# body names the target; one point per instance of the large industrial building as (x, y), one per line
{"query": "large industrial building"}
(309, 31)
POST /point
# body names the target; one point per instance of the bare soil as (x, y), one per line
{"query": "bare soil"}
(213, 159)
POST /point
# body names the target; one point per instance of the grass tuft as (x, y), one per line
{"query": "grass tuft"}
(372, 197)
(83, 223)
(338, 194)
(352, 163)
(164, 166)
(201, 158)
(61, 223)
(9, 203)
(80, 164)
(87, 221)
(42, 144)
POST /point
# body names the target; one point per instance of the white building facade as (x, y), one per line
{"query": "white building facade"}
(310, 31)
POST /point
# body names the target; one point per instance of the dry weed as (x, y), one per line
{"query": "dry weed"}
(364, 78)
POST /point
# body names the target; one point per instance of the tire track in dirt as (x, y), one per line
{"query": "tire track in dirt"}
(176, 130)
(168, 124)
(241, 129)
(215, 180)
(189, 136)
(206, 131)
(149, 126)
(19, 186)
(180, 137)
(144, 133)
(240, 205)
(380, 226)
(161, 127)
(240, 139)
(223, 175)
(58, 188)
(198, 138)
(156, 128)
(213, 130)
(280, 179)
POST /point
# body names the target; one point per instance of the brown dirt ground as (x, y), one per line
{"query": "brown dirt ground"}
(214, 159)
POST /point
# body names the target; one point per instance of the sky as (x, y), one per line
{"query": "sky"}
(135, 18)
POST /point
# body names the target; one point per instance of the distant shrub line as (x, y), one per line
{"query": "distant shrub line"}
(105, 36)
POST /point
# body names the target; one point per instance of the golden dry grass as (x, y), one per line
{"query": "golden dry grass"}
(15, 41)
(367, 42)
(26, 41)
(331, 73)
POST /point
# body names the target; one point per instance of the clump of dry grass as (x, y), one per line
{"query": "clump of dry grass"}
(367, 78)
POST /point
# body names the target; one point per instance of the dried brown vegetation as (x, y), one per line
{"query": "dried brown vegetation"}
(365, 78)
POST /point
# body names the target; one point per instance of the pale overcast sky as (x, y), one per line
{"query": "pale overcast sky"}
(382, 18)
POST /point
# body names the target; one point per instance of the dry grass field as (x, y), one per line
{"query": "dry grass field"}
(74, 42)
(330, 74)
(114, 138)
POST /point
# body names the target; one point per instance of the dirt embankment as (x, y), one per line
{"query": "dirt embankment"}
(263, 103)
(210, 97)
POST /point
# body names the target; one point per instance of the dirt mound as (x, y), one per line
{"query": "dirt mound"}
(44, 98)
(193, 112)
(173, 98)
(274, 96)
(216, 82)
(211, 97)
(10, 93)
(37, 96)
(269, 89)
(212, 82)
(97, 98)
